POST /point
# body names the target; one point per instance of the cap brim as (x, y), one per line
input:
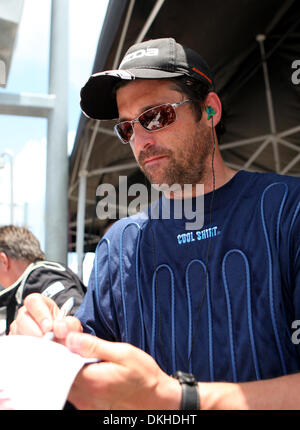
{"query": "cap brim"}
(98, 99)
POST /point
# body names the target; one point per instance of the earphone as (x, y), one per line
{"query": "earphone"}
(210, 112)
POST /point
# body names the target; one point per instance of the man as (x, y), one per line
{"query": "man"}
(217, 302)
(23, 270)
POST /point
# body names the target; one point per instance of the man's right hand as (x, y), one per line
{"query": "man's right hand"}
(38, 316)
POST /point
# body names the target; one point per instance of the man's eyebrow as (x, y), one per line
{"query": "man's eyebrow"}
(143, 109)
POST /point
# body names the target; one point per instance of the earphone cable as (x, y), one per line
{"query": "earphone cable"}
(156, 290)
(208, 246)
(206, 264)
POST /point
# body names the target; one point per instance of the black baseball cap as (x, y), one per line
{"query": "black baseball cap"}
(152, 59)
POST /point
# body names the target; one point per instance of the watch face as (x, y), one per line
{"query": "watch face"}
(185, 378)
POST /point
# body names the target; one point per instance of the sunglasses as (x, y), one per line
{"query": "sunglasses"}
(153, 119)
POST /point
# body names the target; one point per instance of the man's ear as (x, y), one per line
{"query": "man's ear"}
(4, 261)
(212, 109)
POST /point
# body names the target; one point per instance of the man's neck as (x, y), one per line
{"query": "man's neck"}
(212, 180)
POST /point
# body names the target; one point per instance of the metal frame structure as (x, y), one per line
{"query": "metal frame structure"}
(274, 138)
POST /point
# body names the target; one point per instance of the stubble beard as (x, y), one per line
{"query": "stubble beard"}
(189, 166)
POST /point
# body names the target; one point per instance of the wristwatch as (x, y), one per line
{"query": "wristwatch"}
(190, 395)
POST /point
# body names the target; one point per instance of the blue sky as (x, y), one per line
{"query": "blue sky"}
(25, 136)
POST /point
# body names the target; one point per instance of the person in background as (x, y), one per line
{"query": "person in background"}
(24, 270)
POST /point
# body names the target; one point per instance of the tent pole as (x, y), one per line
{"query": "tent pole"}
(123, 34)
(151, 18)
(290, 165)
(80, 222)
(260, 39)
(82, 202)
(257, 152)
(244, 142)
(290, 131)
(288, 144)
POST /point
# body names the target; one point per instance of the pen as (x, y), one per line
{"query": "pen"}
(64, 311)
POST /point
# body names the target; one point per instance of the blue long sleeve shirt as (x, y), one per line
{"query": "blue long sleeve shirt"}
(219, 301)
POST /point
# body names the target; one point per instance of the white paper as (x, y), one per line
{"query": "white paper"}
(35, 373)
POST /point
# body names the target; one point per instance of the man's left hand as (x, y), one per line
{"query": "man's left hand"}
(126, 377)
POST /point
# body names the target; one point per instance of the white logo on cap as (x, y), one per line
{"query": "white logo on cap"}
(149, 52)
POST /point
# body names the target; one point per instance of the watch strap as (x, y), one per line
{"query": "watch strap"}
(190, 394)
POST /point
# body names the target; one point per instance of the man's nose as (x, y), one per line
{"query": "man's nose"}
(141, 138)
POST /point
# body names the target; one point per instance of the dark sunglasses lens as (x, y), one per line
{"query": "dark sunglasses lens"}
(158, 117)
(125, 130)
